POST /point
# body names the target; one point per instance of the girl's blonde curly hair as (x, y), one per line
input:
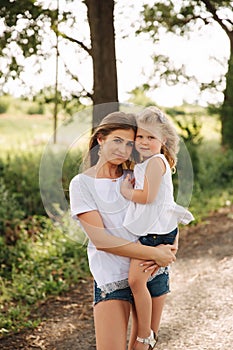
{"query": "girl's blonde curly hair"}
(152, 116)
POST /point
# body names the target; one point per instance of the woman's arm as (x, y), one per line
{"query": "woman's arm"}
(152, 180)
(93, 225)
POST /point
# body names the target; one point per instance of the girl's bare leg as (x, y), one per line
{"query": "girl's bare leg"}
(142, 298)
(111, 319)
(157, 309)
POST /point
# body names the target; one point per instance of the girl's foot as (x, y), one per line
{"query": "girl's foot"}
(143, 343)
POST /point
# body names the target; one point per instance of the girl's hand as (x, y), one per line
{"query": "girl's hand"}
(150, 266)
(127, 187)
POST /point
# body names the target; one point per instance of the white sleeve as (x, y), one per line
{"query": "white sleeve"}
(81, 199)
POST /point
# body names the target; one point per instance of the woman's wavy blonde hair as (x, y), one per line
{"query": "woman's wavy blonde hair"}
(152, 116)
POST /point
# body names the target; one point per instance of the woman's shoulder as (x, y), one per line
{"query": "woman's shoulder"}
(85, 174)
(81, 178)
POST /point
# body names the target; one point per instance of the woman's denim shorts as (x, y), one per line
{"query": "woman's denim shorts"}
(158, 286)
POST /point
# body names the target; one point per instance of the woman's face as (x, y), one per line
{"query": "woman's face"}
(116, 148)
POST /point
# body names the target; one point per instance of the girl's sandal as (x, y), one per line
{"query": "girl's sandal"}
(151, 340)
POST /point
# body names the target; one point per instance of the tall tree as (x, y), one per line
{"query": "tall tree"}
(180, 18)
(100, 17)
(25, 24)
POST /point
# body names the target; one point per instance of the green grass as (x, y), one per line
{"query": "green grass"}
(23, 132)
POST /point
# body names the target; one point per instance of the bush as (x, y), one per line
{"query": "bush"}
(20, 173)
(36, 108)
(43, 261)
(10, 212)
(216, 169)
(4, 104)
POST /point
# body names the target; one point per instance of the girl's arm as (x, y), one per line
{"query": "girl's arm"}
(176, 244)
(94, 227)
(152, 180)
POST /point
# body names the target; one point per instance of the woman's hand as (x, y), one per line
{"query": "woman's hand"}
(164, 254)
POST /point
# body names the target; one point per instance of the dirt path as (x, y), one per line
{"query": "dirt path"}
(198, 314)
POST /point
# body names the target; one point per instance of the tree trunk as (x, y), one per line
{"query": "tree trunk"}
(101, 22)
(227, 107)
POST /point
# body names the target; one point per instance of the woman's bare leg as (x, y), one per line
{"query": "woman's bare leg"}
(133, 330)
(111, 321)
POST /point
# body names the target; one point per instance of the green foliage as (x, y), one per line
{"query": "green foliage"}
(20, 174)
(182, 19)
(23, 24)
(10, 211)
(216, 169)
(67, 105)
(18, 107)
(42, 261)
(189, 126)
(26, 26)
(213, 188)
(138, 97)
(36, 108)
(4, 104)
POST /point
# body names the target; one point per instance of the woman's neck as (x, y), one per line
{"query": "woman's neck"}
(107, 170)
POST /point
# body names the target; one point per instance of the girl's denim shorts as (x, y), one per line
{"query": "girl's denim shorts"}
(158, 286)
(154, 239)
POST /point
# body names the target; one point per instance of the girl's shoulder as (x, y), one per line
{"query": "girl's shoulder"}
(159, 155)
(155, 159)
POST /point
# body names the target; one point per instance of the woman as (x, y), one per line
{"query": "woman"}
(97, 203)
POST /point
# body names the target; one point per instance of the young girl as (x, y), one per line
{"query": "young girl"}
(153, 214)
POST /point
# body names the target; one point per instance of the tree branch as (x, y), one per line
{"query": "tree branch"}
(88, 94)
(213, 11)
(80, 43)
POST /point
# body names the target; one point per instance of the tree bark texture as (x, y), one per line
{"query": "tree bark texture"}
(227, 107)
(105, 92)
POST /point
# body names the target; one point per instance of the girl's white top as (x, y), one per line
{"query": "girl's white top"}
(163, 214)
(87, 194)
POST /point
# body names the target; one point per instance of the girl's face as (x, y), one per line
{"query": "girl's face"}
(117, 147)
(148, 141)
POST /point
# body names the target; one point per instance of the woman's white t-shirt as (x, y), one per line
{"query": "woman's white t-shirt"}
(162, 215)
(87, 194)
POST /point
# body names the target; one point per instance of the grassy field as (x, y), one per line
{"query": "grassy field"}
(21, 132)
